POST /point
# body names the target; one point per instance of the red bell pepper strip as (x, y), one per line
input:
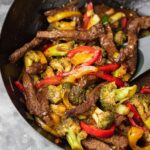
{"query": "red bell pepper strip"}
(134, 111)
(109, 78)
(134, 124)
(97, 132)
(109, 67)
(81, 49)
(88, 49)
(19, 86)
(55, 80)
(86, 17)
(145, 90)
(124, 22)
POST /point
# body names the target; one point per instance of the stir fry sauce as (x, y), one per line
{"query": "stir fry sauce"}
(76, 85)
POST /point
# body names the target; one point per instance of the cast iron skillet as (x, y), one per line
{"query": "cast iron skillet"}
(24, 19)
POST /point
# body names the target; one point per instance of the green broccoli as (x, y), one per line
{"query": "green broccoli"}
(74, 139)
(142, 103)
(103, 119)
(55, 93)
(110, 96)
(61, 64)
(74, 135)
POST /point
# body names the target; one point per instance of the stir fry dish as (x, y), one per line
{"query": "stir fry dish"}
(75, 78)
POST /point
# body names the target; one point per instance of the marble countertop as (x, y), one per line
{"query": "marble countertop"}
(15, 132)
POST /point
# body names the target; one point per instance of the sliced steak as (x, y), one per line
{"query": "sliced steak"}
(36, 102)
(129, 54)
(121, 142)
(87, 80)
(89, 35)
(107, 42)
(86, 105)
(94, 144)
(18, 53)
(119, 119)
(36, 68)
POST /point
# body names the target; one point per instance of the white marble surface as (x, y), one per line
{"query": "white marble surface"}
(15, 132)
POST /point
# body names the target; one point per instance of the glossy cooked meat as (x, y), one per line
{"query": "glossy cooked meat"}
(107, 42)
(119, 141)
(36, 102)
(89, 35)
(86, 105)
(129, 54)
(18, 53)
(36, 68)
(94, 144)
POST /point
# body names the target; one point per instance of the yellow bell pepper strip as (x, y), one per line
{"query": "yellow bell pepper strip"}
(63, 25)
(79, 72)
(134, 134)
(95, 19)
(59, 49)
(97, 132)
(62, 15)
(46, 127)
(55, 80)
(86, 49)
(116, 17)
(80, 58)
(87, 15)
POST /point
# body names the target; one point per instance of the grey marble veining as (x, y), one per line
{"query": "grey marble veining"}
(15, 132)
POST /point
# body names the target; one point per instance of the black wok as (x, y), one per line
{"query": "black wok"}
(24, 19)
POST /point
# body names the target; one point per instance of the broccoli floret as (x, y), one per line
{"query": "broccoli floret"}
(74, 135)
(74, 139)
(55, 93)
(103, 119)
(110, 96)
(142, 103)
(61, 64)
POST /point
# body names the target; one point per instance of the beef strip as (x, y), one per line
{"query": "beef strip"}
(18, 53)
(36, 102)
(107, 42)
(121, 142)
(36, 68)
(86, 105)
(94, 144)
(83, 35)
(88, 80)
(129, 53)
(119, 119)
(101, 9)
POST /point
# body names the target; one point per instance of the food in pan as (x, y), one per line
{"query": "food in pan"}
(75, 78)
